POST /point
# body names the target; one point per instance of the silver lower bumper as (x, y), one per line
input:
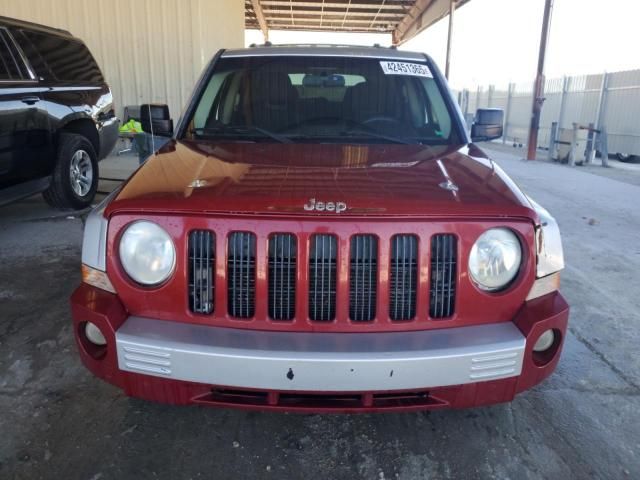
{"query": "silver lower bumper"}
(320, 362)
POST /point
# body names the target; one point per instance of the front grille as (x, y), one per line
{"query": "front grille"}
(363, 278)
(403, 278)
(282, 276)
(442, 295)
(202, 256)
(322, 277)
(263, 271)
(241, 274)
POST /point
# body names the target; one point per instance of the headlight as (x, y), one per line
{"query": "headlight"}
(548, 243)
(495, 259)
(147, 253)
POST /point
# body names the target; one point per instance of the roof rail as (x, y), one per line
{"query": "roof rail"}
(318, 45)
(39, 26)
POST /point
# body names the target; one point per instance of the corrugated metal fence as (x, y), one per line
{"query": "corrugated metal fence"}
(609, 100)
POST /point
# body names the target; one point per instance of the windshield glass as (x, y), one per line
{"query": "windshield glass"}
(322, 99)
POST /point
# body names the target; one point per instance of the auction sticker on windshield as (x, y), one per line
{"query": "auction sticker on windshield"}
(405, 68)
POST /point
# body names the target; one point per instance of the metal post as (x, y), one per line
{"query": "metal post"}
(492, 88)
(510, 90)
(466, 102)
(538, 90)
(467, 99)
(591, 144)
(452, 9)
(574, 146)
(563, 103)
(553, 137)
(604, 147)
(563, 100)
(602, 98)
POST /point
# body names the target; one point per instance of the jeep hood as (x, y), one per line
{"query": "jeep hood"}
(279, 179)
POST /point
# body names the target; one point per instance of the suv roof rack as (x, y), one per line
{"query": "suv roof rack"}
(319, 45)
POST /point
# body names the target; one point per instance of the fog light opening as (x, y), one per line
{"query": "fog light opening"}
(94, 335)
(546, 347)
(544, 342)
(92, 340)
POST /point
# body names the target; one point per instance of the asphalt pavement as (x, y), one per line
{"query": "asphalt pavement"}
(59, 422)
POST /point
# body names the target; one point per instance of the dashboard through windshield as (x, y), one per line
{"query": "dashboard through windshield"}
(297, 99)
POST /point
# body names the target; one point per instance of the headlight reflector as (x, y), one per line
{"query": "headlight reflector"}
(147, 253)
(495, 259)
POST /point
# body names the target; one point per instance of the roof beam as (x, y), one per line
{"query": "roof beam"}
(268, 12)
(422, 15)
(402, 7)
(413, 17)
(257, 9)
(452, 10)
(403, 18)
(320, 23)
(329, 28)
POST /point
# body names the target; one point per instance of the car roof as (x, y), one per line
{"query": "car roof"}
(325, 51)
(13, 22)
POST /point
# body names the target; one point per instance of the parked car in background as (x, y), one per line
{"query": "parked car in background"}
(321, 234)
(57, 118)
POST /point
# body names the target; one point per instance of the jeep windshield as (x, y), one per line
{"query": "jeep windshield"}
(311, 99)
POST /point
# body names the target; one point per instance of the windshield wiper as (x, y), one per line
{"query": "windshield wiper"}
(381, 136)
(239, 130)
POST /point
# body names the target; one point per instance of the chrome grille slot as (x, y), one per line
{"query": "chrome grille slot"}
(282, 276)
(201, 266)
(241, 274)
(442, 295)
(322, 277)
(363, 278)
(403, 278)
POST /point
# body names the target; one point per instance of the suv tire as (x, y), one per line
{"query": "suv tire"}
(75, 178)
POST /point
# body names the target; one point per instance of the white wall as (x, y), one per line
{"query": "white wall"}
(149, 50)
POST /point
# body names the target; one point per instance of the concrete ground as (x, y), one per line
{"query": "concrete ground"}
(59, 422)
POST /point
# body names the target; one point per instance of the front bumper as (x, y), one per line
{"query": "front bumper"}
(319, 362)
(181, 363)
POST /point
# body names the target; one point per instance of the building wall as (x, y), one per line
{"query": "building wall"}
(149, 50)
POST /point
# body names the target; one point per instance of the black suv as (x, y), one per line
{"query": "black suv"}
(57, 116)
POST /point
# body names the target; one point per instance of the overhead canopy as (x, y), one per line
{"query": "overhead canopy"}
(403, 19)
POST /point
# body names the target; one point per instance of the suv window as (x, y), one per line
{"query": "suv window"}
(11, 65)
(323, 99)
(64, 59)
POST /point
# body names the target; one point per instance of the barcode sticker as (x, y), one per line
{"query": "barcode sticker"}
(404, 68)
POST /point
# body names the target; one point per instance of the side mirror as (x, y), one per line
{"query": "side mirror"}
(155, 119)
(487, 124)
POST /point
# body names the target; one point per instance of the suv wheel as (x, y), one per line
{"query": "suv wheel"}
(75, 179)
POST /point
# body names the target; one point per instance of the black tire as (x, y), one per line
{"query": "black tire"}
(629, 158)
(72, 189)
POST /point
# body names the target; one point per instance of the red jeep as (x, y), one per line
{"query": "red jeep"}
(320, 234)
